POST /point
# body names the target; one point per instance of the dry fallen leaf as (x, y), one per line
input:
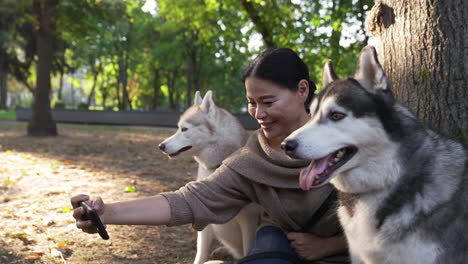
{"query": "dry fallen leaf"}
(34, 255)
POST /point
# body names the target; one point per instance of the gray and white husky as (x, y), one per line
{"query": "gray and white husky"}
(210, 134)
(403, 189)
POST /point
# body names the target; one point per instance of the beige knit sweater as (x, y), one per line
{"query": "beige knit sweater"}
(255, 173)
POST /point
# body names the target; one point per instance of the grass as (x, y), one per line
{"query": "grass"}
(8, 114)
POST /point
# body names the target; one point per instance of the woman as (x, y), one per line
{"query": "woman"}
(278, 92)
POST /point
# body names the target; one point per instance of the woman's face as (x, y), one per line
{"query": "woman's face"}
(278, 110)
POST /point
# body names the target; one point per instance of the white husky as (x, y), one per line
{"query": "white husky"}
(403, 188)
(210, 134)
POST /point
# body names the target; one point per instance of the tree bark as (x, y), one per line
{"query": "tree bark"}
(41, 123)
(423, 47)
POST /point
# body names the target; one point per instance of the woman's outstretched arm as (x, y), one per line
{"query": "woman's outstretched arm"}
(153, 210)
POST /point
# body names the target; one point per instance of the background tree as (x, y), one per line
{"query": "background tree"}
(17, 46)
(41, 122)
(423, 48)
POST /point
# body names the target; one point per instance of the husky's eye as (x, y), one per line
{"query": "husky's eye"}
(183, 129)
(336, 116)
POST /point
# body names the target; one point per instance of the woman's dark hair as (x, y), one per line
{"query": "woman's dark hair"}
(283, 67)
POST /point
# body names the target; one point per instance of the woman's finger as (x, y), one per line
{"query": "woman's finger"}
(75, 200)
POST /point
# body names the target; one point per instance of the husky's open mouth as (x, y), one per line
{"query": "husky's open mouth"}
(180, 151)
(320, 170)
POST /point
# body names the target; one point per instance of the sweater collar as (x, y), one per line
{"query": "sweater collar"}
(278, 157)
(260, 163)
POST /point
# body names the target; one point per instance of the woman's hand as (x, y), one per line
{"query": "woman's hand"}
(79, 212)
(311, 247)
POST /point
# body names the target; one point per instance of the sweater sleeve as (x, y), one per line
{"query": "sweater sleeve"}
(213, 200)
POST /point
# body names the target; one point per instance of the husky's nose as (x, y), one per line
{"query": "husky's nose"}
(162, 146)
(289, 146)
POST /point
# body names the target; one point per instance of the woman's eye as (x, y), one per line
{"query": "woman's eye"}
(268, 103)
(251, 103)
(183, 129)
(336, 116)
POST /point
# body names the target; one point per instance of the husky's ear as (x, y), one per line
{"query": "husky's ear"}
(207, 104)
(329, 74)
(198, 99)
(369, 72)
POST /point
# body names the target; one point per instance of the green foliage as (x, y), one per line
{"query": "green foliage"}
(8, 114)
(117, 52)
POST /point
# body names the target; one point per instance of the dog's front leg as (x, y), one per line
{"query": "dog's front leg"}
(204, 241)
(249, 223)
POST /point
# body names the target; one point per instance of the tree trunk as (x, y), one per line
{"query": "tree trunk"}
(156, 88)
(41, 123)
(3, 82)
(3, 60)
(60, 89)
(123, 79)
(96, 72)
(422, 46)
(171, 82)
(190, 79)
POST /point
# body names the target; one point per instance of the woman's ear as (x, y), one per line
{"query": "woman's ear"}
(303, 89)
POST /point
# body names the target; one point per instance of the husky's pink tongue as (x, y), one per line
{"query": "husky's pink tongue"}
(316, 167)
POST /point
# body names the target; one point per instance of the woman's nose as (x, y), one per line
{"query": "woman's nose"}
(260, 113)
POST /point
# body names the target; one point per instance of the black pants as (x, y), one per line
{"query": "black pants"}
(271, 246)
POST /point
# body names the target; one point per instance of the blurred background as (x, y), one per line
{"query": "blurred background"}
(153, 55)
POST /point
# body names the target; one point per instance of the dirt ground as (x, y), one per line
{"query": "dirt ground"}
(39, 175)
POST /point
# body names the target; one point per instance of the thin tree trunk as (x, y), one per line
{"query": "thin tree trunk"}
(156, 88)
(60, 89)
(96, 72)
(190, 79)
(123, 67)
(117, 85)
(41, 123)
(422, 46)
(172, 76)
(123, 78)
(61, 69)
(3, 64)
(3, 82)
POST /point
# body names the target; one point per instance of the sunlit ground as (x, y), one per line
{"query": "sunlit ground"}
(38, 176)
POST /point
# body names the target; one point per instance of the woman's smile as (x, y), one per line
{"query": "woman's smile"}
(266, 125)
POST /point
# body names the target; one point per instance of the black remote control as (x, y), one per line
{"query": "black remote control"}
(93, 216)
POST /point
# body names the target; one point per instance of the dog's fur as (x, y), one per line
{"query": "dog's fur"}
(210, 134)
(403, 188)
